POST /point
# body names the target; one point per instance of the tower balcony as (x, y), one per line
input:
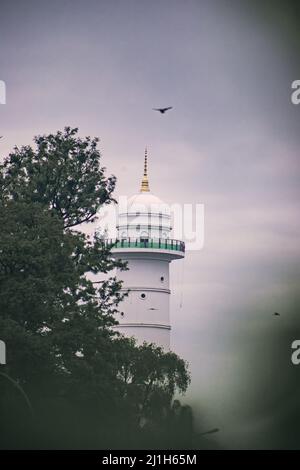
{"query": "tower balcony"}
(162, 246)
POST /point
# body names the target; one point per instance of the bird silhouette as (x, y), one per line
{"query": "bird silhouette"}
(276, 314)
(162, 110)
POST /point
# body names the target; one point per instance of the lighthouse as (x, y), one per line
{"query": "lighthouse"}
(144, 240)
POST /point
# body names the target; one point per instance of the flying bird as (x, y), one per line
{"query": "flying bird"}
(276, 314)
(162, 110)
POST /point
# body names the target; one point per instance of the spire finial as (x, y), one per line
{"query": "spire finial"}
(145, 182)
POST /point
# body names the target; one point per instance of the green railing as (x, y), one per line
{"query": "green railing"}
(155, 243)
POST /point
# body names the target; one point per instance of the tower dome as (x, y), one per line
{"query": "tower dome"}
(146, 216)
(149, 201)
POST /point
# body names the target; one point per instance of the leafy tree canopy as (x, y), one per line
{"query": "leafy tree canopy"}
(57, 323)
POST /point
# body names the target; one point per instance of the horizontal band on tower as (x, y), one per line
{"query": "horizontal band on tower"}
(147, 289)
(145, 242)
(146, 325)
(152, 214)
(146, 226)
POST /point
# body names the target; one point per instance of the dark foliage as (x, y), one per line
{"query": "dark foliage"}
(70, 380)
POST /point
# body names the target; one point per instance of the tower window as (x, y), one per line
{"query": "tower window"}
(143, 296)
(122, 314)
(162, 279)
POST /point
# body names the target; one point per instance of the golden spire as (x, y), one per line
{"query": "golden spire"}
(145, 183)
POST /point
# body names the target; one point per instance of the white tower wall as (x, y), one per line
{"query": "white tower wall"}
(145, 313)
(146, 272)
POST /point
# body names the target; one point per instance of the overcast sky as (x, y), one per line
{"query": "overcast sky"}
(231, 142)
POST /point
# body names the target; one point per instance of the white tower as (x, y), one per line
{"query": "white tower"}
(144, 242)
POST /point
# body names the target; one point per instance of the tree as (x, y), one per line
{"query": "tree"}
(148, 378)
(57, 323)
(63, 173)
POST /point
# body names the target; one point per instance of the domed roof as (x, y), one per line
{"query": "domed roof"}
(147, 202)
(144, 216)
